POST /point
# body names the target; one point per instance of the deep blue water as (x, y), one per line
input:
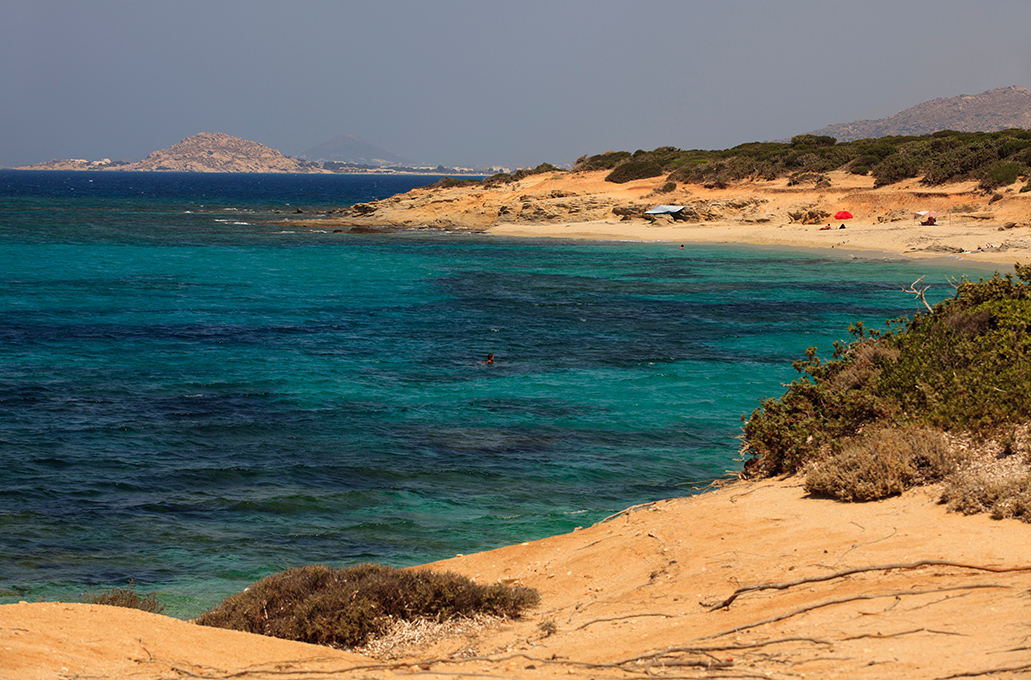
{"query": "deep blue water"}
(194, 395)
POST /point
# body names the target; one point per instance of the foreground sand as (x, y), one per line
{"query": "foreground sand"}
(581, 205)
(636, 595)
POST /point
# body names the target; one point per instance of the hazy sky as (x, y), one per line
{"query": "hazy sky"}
(457, 82)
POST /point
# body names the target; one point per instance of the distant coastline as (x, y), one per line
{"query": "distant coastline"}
(219, 152)
(78, 165)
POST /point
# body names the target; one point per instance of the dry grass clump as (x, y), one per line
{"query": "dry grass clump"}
(403, 638)
(124, 597)
(884, 463)
(990, 475)
(345, 607)
(995, 479)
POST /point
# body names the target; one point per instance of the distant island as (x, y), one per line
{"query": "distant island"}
(203, 152)
(219, 152)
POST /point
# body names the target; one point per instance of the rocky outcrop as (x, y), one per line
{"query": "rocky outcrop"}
(808, 215)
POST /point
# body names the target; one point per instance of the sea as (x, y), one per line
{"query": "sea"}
(195, 394)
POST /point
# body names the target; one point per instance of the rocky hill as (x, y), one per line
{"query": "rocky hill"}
(219, 152)
(998, 109)
(203, 152)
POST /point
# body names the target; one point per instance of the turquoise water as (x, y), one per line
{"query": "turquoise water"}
(193, 395)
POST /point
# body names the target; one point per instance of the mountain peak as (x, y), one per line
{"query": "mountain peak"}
(997, 109)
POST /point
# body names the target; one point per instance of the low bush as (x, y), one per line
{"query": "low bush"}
(894, 169)
(631, 170)
(603, 161)
(451, 182)
(522, 173)
(973, 494)
(124, 597)
(807, 177)
(343, 608)
(1000, 174)
(884, 463)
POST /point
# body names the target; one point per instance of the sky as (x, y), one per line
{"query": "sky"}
(462, 82)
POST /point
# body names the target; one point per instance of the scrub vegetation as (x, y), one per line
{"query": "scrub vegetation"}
(993, 159)
(346, 607)
(944, 396)
(124, 597)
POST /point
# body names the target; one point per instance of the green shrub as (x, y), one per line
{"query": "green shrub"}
(505, 178)
(894, 169)
(631, 170)
(451, 182)
(604, 161)
(343, 608)
(666, 188)
(124, 597)
(811, 141)
(1001, 174)
(965, 367)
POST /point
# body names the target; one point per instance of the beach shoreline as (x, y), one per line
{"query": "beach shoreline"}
(898, 588)
(984, 230)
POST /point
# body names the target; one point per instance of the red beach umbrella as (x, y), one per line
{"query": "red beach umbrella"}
(843, 215)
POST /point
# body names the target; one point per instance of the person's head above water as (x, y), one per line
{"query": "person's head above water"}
(490, 358)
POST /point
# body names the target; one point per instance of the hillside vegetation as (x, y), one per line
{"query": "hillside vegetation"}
(993, 159)
(914, 404)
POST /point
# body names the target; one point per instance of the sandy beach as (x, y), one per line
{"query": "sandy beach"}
(753, 579)
(973, 226)
(899, 588)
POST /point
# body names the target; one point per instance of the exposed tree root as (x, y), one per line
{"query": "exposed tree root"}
(784, 585)
(828, 603)
(988, 671)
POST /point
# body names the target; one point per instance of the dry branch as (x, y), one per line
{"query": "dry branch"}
(828, 603)
(989, 671)
(919, 292)
(735, 647)
(784, 585)
(620, 618)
